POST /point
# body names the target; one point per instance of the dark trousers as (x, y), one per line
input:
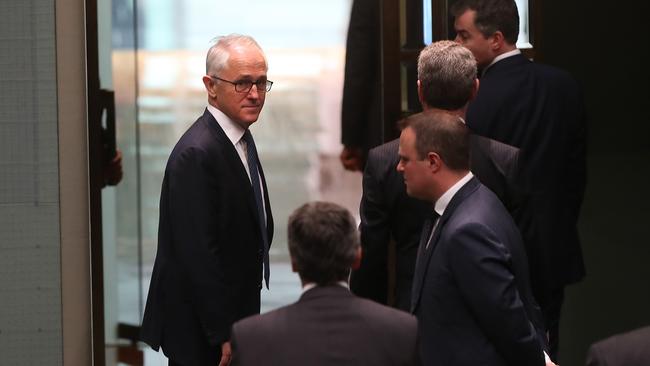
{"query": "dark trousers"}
(551, 308)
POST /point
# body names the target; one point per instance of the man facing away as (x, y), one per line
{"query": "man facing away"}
(538, 109)
(471, 292)
(215, 217)
(446, 82)
(328, 325)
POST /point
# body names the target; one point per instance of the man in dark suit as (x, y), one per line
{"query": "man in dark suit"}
(626, 349)
(328, 325)
(447, 81)
(471, 292)
(360, 109)
(538, 109)
(215, 217)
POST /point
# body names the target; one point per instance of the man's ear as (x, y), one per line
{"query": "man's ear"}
(474, 89)
(357, 259)
(420, 93)
(434, 161)
(497, 41)
(209, 86)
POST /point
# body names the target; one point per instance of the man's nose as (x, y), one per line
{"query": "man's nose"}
(253, 93)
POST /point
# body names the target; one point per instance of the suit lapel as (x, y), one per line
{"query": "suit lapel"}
(420, 265)
(267, 204)
(424, 254)
(237, 166)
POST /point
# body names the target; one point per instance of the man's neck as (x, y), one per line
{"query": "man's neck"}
(456, 112)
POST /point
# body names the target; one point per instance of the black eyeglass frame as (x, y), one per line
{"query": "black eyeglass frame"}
(245, 86)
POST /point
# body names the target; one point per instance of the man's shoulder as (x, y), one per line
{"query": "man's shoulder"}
(383, 159)
(384, 152)
(385, 315)
(200, 137)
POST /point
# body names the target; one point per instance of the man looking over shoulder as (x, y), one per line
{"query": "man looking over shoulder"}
(215, 216)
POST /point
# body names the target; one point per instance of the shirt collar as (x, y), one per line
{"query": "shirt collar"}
(310, 285)
(232, 130)
(442, 202)
(514, 52)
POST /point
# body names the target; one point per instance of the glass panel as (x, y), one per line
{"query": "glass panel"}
(524, 24)
(427, 22)
(120, 203)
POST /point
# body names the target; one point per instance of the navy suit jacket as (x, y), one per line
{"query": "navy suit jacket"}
(471, 292)
(208, 268)
(327, 326)
(387, 212)
(539, 109)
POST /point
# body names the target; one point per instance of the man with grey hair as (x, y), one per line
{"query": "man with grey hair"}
(328, 325)
(215, 217)
(447, 81)
(471, 289)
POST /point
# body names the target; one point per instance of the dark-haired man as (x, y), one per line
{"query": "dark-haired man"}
(328, 325)
(538, 109)
(471, 291)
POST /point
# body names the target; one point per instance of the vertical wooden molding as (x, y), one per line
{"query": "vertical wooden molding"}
(73, 178)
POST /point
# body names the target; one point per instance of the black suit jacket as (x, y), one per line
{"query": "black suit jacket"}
(361, 108)
(627, 349)
(471, 292)
(208, 268)
(540, 110)
(327, 326)
(388, 212)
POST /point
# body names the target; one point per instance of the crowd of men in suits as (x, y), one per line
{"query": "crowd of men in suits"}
(481, 194)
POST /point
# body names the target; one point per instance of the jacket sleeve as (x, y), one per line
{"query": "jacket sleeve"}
(371, 279)
(481, 265)
(194, 211)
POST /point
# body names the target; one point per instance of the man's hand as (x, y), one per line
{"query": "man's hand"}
(113, 171)
(352, 158)
(226, 354)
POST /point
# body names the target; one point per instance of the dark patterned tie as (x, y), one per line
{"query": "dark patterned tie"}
(251, 156)
(420, 265)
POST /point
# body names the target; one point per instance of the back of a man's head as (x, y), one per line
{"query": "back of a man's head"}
(492, 16)
(447, 73)
(323, 242)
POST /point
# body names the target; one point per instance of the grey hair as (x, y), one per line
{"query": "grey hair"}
(219, 53)
(323, 241)
(447, 72)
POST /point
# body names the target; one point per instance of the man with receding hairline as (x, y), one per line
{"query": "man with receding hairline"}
(471, 292)
(215, 216)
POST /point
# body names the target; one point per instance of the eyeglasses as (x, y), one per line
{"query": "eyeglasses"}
(244, 86)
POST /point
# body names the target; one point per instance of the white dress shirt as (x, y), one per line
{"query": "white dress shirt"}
(235, 132)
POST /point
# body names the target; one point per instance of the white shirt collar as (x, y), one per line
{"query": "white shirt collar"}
(310, 285)
(442, 202)
(514, 52)
(234, 131)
